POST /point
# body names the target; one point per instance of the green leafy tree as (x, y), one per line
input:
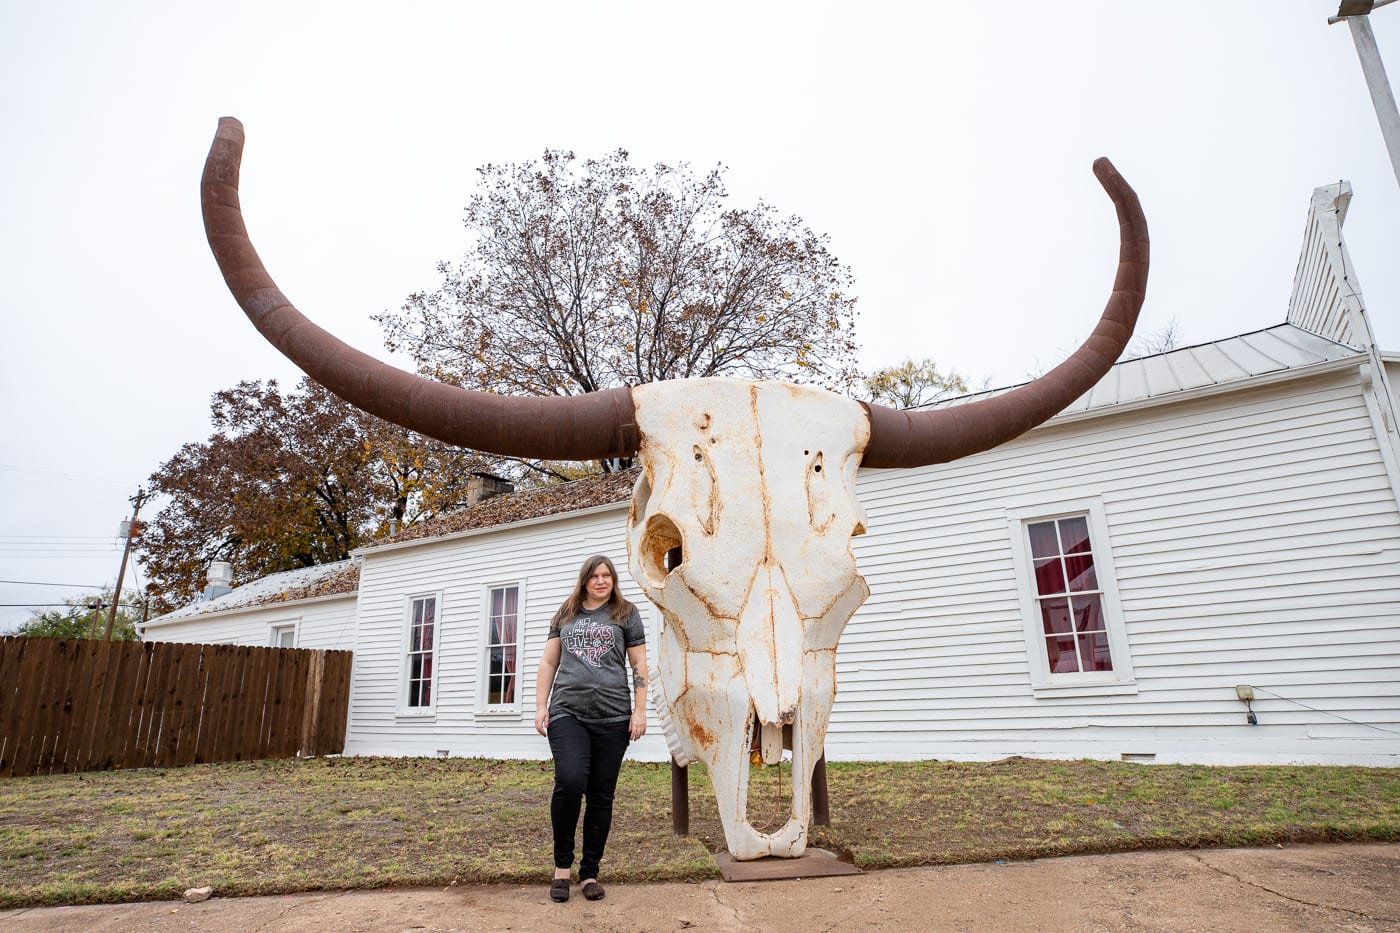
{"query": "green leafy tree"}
(84, 615)
(910, 383)
(288, 480)
(596, 274)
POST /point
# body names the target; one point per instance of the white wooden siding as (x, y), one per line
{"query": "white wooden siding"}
(1254, 535)
(326, 623)
(1256, 542)
(544, 558)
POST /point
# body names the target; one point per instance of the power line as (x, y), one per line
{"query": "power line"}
(81, 586)
(37, 605)
(18, 538)
(83, 555)
(55, 478)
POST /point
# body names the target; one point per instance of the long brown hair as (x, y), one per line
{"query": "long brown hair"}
(620, 607)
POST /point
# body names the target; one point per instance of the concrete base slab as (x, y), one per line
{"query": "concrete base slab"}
(814, 863)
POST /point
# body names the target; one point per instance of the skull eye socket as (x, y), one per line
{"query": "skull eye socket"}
(660, 538)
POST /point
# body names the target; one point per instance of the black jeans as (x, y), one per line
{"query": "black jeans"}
(587, 758)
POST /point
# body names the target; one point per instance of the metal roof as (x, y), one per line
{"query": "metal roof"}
(1276, 349)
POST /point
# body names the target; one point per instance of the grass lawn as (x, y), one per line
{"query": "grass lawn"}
(334, 823)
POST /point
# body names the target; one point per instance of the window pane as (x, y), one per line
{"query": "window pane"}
(427, 697)
(1049, 576)
(427, 666)
(1088, 613)
(418, 612)
(1074, 535)
(1043, 542)
(427, 641)
(1093, 651)
(1060, 652)
(502, 645)
(429, 611)
(1080, 569)
(1054, 615)
(414, 692)
(415, 667)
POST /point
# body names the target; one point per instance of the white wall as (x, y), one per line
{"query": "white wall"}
(1255, 539)
(326, 622)
(1254, 535)
(544, 559)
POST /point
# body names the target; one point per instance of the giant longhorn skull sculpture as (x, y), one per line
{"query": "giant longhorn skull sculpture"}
(753, 482)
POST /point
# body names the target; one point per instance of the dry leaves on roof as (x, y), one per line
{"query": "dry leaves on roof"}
(346, 580)
(526, 504)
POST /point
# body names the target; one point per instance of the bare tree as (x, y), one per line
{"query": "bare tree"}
(587, 276)
(1163, 340)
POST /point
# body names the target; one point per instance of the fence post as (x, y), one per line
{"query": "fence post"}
(311, 708)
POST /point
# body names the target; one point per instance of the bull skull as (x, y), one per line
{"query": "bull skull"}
(753, 482)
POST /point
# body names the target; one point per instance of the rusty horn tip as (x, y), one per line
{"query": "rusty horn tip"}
(582, 427)
(919, 438)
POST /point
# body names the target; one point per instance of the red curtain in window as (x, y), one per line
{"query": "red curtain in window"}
(1067, 591)
(506, 617)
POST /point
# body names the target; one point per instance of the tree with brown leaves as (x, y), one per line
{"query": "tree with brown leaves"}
(291, 480)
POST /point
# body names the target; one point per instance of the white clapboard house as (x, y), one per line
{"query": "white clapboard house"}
(1198, 561)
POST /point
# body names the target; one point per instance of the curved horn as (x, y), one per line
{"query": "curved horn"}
(579, 427)
(919, 438)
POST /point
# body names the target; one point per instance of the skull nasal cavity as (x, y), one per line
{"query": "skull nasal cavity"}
(660, 537)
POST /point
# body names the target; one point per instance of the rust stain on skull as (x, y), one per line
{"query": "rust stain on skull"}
(698, 731)
(818, 496)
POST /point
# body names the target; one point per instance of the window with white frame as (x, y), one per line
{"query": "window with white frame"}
(501, 647)
(421, 653)
(1069, 599)
(284, 636)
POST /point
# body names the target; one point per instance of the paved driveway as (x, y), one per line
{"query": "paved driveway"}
(1303, 888)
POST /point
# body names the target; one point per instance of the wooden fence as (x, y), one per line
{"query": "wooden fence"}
(75, 705)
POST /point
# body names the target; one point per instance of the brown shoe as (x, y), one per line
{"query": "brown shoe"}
(559, 890)
(592, 890)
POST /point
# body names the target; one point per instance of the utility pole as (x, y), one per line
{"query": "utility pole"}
(95, 607)
(135, 501)
(1357, 14)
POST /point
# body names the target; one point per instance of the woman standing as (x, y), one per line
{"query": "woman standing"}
(584, 706)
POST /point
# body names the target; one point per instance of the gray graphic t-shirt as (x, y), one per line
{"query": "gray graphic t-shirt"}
(591, 683)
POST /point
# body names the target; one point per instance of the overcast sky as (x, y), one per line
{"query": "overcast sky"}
(944, 146)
